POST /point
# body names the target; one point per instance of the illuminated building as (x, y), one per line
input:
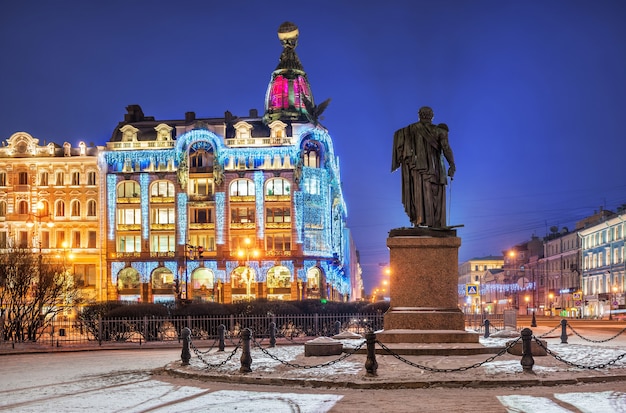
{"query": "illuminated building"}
(603, 266)
(183, 196)
(50, 202)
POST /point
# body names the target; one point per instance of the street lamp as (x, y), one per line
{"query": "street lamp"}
(35, 220)
(193, 252)
(613, 299)
(247, 274)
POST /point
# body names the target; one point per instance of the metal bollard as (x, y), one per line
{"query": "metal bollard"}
(337, 327)
(185, 355)
(246, 357)
(272, 334)
(221, 330)
(370, 363)
(527, 354)
(563, 331)
(487, 328)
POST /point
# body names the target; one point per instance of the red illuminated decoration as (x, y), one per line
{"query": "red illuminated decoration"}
(289, 95)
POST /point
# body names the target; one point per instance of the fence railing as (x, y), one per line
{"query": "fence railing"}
(151, 329)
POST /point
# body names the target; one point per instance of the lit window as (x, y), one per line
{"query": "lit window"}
(91, 178)
(43, 179)
(129, 216)
(241, 187)
(278, 277)
(128, 189)
(162, 189)
(75, 208)
(163, 216)
(91, 208)
(277, 186)
(129, 243)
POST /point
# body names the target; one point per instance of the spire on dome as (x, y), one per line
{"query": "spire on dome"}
(289, 96)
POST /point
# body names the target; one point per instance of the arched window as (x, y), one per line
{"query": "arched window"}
(22, 208)
(278, 277)
(202, 279)
(201, 160)
(3, 209)
(128, 189)
(43, 208)
(162, 278)
(277, 186)
(162, 189)
(241, 187)
(75, 208)
(91, 208)
(313, 278)
(128, 278)
(311, 155)
(59, 209)
(241, 276)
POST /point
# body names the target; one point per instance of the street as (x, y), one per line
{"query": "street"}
(129, 381)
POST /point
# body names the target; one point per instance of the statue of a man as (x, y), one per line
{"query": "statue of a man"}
(420, 148)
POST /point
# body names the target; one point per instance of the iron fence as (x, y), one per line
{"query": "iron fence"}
(153, 329)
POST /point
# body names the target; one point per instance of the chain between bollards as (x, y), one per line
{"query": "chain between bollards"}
(371, 365)
(527, 354)
(185, 355)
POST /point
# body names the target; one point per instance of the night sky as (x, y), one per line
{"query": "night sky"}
(534, 93)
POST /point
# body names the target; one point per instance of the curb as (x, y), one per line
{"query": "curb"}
(365, 382)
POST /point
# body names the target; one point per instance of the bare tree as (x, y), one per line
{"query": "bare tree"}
(33, 289)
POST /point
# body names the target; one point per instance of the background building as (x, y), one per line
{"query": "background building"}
(477, 272)
(603, 267)
(50, 202)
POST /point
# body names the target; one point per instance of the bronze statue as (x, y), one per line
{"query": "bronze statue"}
(420, 148)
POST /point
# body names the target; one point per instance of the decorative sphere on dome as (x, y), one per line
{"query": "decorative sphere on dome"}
(288, 34)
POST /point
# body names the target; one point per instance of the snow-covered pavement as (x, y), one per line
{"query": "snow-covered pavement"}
(126, 381)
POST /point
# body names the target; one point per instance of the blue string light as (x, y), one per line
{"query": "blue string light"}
(111, 204)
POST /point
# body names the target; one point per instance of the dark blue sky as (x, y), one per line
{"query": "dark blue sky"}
(534, 93)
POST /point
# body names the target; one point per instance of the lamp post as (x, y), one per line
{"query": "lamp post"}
(247, 274)
(613, 299)
(193, 252)
(35, 220)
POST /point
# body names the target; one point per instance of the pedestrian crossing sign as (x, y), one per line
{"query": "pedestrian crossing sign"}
(472, 289)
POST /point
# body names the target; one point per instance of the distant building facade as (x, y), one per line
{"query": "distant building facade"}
(473, 273)
(50, 202)
(603, 279)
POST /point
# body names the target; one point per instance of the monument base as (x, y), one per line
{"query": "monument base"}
(424, 280)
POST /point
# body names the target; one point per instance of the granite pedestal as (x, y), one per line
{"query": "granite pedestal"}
(423, 289)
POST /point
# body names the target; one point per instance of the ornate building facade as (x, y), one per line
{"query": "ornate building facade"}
(228, 209)
(50, 202)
